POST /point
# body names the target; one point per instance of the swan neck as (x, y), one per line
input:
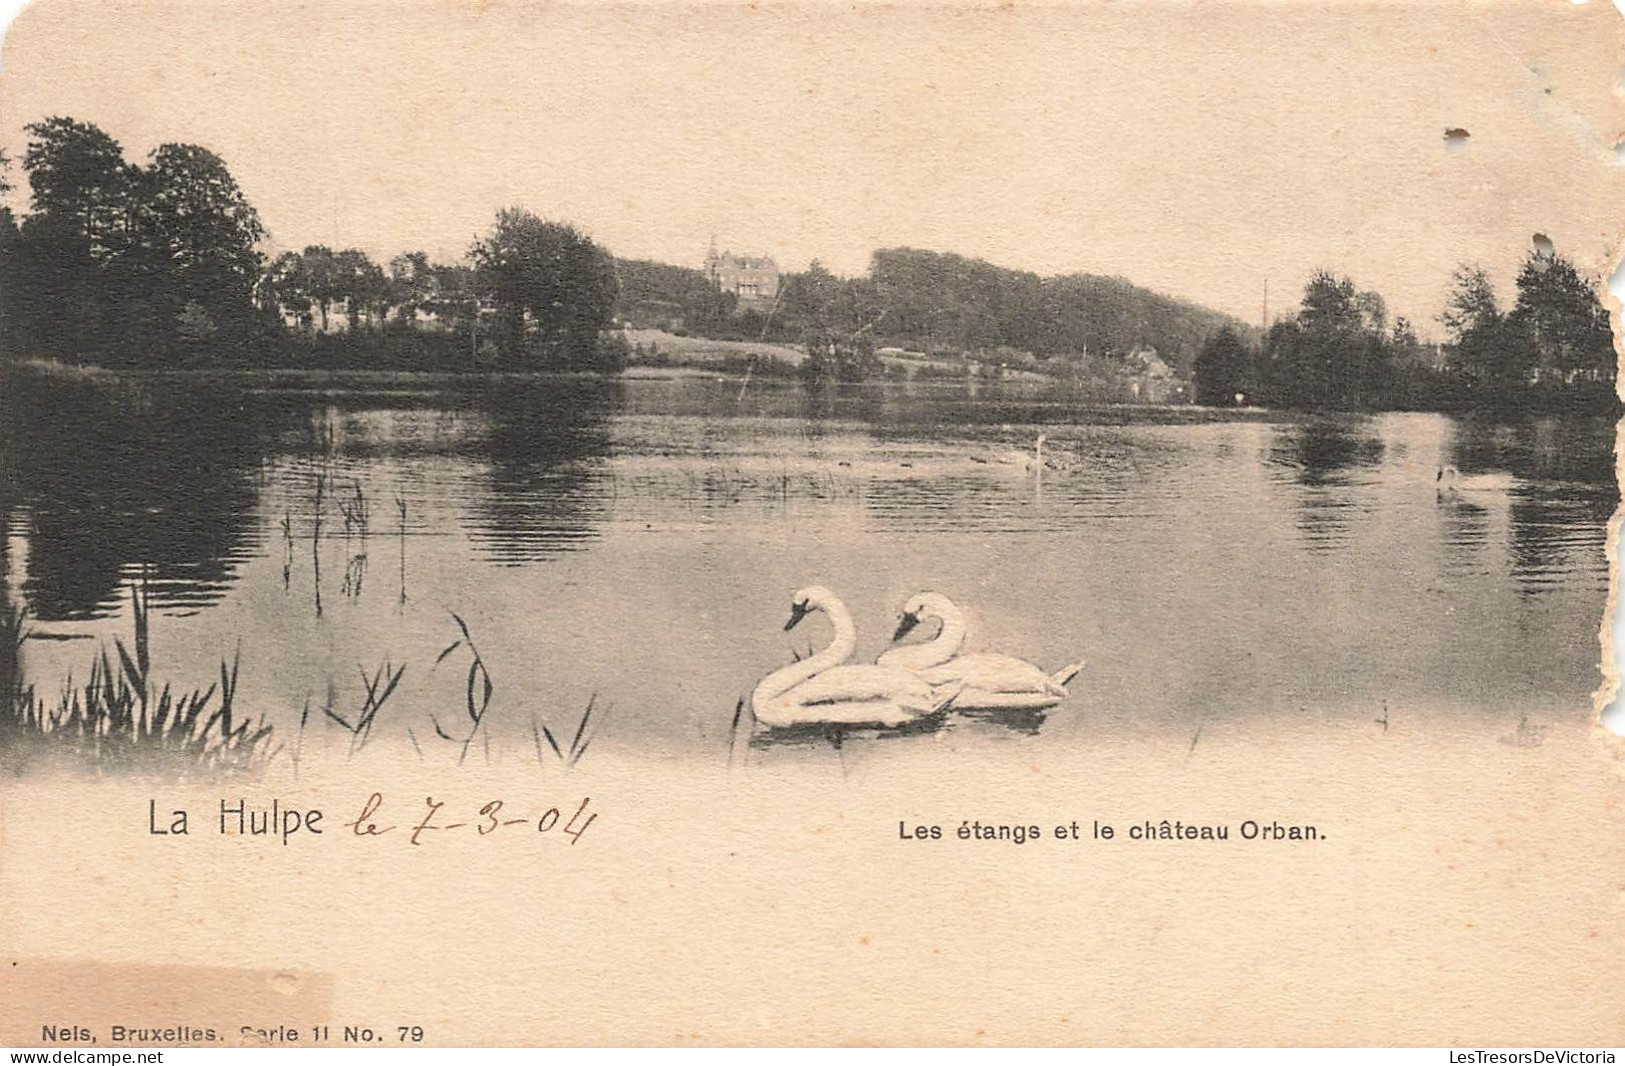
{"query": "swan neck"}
(952, 636)
(836, 652)
(845, 641)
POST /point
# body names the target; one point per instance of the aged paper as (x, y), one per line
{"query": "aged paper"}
(804, 524)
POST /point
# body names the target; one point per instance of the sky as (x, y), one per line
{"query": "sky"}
(1200, 151)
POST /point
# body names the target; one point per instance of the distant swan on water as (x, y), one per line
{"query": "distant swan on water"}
(989, 682)
(824, 688)
(1449, 479)
(1025, 462)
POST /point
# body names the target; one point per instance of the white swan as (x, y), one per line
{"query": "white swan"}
(824, 689)
(1449, 479)
(989, 682)
(1016, 460)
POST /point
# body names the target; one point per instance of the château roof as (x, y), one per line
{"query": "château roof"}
(744, 262)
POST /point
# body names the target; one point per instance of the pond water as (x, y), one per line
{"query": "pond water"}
(636, 544)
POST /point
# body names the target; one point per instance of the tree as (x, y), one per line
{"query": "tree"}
(78, 179)
(80, 224)
(283, 287)
(411, 284)
(195, 323)
(455, 293)
(1373, 311)
(554, 289)
(809, 298)
(660, 295)
(1330, 357)
(1404, 343)
(319, 276)
(361, 284)
(196, 222)
(1472, 302)
(1222, 369)
(1486, 348)
(112, 255)
(834, 357)
(941, 302)
(9, 238)
(1565, 325)
(1335, 352)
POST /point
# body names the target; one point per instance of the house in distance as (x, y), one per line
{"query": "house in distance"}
(754, 279)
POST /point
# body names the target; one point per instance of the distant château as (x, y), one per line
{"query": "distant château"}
(755, 280)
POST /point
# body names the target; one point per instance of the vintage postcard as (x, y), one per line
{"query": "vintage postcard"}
(809, 523)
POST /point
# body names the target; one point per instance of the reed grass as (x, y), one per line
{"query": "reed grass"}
(740, 710)
(400, 506)
(316, 540)
(119, 719)
(356, 512)
(479, 681)
(380, 686)
(568, 758)
(287, 555)
(355, 573)
(477, 695)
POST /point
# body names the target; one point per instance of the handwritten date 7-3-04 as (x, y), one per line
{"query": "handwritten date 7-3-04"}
(492, 818)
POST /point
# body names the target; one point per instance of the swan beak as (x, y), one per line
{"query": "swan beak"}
(905, 625)
(798, 611)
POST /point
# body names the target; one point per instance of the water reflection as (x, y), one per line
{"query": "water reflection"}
(109, 480)
(980, 721)
(1204, 568)
(1025, 722)
(1555, 485)
(1553, 537)
(1323, 451)
(1548, 450)
(1466, 533)
(548, 480)
(1328, 460)
(817, 734)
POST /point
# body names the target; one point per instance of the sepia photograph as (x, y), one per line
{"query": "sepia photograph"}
(1034, 505)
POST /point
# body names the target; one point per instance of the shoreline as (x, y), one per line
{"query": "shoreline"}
(1048, 394)
(1044, 393)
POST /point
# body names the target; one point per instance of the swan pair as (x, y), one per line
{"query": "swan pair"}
(906, 683)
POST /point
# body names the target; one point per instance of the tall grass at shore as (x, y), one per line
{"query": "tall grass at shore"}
(119, 719)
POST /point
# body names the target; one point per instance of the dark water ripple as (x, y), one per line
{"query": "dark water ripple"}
(665, 517)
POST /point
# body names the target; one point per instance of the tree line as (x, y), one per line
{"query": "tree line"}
(939, 304)
(159, 264)
(1339, 350)
(118, 262)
